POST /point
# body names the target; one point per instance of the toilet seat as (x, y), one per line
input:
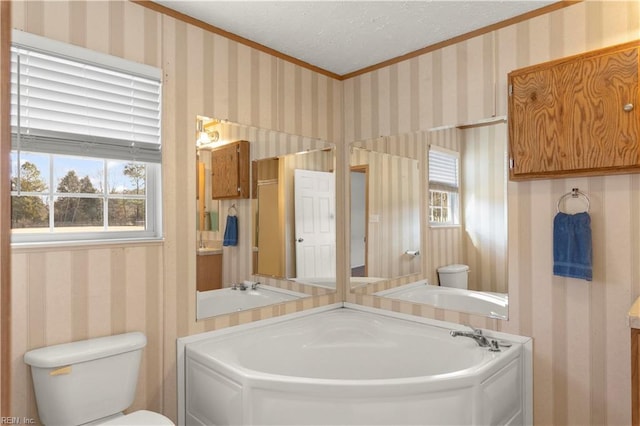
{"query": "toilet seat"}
(140, 418)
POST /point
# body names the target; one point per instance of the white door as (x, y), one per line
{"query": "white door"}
(315, 224)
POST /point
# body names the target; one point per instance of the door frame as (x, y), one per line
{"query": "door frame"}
(364, 168)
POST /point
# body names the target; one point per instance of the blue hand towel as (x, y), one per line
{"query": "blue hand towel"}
(572, 255)
(231, 231)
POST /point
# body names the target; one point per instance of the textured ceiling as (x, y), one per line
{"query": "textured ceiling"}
(346, 36)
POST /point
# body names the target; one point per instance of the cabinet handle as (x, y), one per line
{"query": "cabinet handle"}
(628, 107)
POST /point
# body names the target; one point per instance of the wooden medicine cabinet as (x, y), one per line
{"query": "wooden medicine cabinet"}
(576, 116)
(230, 171)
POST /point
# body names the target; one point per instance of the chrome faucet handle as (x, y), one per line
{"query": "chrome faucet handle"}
(475, 330)
(495, 346)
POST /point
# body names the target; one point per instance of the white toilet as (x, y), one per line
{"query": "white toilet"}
(456, 276)
(90, 381)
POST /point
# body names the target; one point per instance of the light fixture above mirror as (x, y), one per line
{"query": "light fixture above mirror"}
(206, 131)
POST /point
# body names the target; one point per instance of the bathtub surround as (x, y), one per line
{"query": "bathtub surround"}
(67, 293)
(353, 365)
(239, 298)
(493, 305)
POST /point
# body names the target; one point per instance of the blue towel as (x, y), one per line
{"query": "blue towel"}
(231, 232)
(572, 246)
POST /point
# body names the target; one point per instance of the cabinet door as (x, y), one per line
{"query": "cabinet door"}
(570, 116)
(603, 134)
(208, 272)
(537, 118)
(224, 171)
(230, 171)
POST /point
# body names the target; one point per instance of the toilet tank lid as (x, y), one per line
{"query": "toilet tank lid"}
(85, 350)
(449, 269)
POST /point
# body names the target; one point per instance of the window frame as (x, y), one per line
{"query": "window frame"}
(444, 184)
(153, 175)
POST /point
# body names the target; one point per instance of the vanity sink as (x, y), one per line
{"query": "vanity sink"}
(211, 247)
(203, 251)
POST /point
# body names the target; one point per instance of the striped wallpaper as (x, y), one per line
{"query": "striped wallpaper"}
(265, 143)
(581, 338)
(480, 240)
(66, 293)
(444, 244)
(394, 212)
(581, 350)
(484, 206)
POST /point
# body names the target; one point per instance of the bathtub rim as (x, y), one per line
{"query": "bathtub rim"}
(526, 342)
(450, 380)
(269, 288)
(213, 352)
(398, 293)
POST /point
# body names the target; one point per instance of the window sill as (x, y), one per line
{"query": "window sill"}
(84, 245)
(443, 226)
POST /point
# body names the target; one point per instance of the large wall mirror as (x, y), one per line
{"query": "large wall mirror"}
(294, 216)
(429, 218)
(385, 216)
(274, 241)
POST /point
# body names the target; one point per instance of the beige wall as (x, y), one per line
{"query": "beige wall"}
(68, 293)
(394, 199)
(581, 349)
(581, 337)
(484, 206)
(5, 211)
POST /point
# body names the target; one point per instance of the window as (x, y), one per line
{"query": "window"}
(443, 186)
(86, 153)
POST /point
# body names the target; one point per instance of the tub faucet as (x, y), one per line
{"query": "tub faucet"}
(239, 286)
(476, 335)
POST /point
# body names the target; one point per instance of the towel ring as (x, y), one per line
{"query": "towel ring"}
(232, 210)
(575, 193)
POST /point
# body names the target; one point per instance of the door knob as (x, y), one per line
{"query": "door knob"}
(628, 107)
(300, 240)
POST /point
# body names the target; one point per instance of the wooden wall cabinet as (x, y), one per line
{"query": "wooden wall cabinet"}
(208, 272)
(576, 116)
(230, 171)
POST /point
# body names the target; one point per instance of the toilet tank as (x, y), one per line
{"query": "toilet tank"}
(455, 276)
(87, 380)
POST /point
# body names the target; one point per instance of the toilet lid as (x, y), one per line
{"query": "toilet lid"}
(451, 269)
(140, 418)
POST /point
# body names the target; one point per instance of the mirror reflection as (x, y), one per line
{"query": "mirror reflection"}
(233, 164)
(463, 262)
(385, 216)
(294, 211)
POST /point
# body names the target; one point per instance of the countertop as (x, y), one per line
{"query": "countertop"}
(210, 247)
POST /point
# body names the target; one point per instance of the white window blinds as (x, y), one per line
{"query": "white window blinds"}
(443, 169)
(66, 105)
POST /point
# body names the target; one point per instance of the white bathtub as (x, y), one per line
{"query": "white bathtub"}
(225, 300)
(348, 366)
(495, 305)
